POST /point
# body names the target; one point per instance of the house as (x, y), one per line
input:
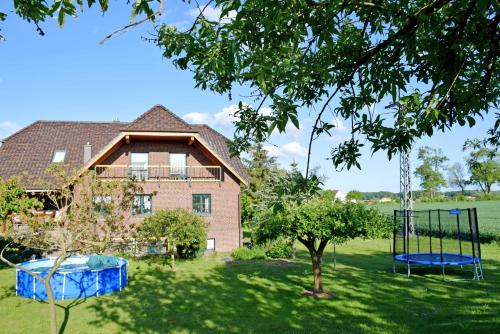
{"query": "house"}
(179, 165)
(340, 196)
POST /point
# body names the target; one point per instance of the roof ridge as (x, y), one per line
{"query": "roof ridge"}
(153, 108)
(91, 122)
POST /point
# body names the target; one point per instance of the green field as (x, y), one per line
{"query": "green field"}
(488, 212)
(209, 295)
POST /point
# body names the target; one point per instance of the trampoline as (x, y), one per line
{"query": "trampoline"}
(77, 277)
(437, 238)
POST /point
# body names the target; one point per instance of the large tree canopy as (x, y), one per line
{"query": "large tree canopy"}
(344, 57)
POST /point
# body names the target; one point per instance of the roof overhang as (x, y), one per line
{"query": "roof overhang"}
(112, 145)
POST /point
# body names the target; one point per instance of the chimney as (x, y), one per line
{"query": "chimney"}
(87, 152)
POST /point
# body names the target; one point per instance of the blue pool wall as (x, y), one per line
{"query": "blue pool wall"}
(71, 284)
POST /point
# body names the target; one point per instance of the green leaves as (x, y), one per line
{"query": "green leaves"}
(297, 53)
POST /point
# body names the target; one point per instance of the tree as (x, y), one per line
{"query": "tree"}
(175, 229)
(355, 195)
(14, 201)
(90, 220)
(284, 188)
(483, 163)
(260, 168)
(342, 58)
(37, 11)
(429, 171)
(317, 221)
(457, 177)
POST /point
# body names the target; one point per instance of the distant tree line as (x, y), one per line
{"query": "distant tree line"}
(481, 169)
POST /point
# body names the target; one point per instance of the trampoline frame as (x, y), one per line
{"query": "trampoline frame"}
(405, 257)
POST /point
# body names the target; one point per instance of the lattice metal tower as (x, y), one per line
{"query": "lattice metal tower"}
(405, 182)
(406, 198)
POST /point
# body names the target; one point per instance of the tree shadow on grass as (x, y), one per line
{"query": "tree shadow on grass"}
(262, 297)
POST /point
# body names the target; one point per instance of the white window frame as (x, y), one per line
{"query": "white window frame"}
(178, 170)
(139, 169)
(60, 155)
(212, 242)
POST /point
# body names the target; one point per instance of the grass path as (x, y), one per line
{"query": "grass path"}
(211, 296)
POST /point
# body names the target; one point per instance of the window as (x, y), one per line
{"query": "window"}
(101, 202)
(139, 166)
(178, 168)
(58, 156)
(202, 204)
(210, 244)
(142, 205)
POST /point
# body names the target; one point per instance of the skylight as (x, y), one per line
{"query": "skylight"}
(58, 156)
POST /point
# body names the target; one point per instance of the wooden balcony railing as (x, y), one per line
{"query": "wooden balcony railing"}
(160, 173)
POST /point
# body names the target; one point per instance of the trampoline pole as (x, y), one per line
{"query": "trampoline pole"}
(458, 231)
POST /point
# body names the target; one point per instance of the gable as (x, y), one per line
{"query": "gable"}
(30, 150)
(159, 119)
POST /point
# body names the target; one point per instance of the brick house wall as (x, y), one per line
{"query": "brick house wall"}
(224, 219)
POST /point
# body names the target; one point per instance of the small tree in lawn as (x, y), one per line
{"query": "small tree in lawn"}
(178, 230)
(90, 219)
(317, 221)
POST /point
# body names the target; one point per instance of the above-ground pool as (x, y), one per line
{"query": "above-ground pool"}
(78, 277)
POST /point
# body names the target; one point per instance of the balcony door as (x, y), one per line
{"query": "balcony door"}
(139, 165)
(178, 165)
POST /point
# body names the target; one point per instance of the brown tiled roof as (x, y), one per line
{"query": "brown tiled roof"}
(218, 143)
(159, 119)
(30, 150)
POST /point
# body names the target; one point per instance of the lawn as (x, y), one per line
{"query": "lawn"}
(488, 212)
(209, 295)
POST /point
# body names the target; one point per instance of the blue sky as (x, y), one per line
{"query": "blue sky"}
(68, 75)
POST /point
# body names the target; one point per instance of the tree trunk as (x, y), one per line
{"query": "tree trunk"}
(172, 257)
(316, 265)
(294, 249)
(52, 305)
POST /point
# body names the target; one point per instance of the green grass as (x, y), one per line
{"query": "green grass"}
(211, 296)
(488, 212)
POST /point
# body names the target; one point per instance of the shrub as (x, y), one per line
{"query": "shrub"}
(279, 249)
(244, 253)
(176, 229)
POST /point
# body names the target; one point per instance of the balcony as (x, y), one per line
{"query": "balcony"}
(160, 173)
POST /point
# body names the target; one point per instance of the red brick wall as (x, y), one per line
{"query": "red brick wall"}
(224, 220)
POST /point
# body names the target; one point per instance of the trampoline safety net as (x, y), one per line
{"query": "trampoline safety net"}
(437, 237)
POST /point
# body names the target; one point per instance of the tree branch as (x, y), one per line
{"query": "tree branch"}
(130, 26)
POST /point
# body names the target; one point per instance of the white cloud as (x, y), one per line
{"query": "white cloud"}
(339, 125)
(265, 111)
(7, 128)
(291, 149)
(212, 13)
(294, 148)
(198, 118)
(227, 116)
(273, 151)
(224, 118)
